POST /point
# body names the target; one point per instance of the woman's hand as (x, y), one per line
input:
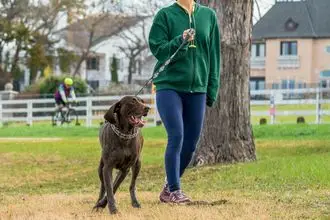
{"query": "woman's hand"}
(186, 33)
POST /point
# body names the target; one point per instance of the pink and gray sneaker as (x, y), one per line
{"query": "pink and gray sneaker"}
(165, 194)
(176, 197)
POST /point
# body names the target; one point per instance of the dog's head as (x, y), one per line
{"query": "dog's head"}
(130, 109)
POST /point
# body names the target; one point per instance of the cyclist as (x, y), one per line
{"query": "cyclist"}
(62, 93)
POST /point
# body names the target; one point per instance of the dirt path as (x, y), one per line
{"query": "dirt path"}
(79, 206)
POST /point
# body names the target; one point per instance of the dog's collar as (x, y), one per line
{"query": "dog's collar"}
(122, 135)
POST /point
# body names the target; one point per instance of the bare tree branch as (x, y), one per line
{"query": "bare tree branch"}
(256, 2)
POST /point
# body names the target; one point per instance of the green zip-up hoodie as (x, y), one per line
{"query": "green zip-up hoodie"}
(193, 69)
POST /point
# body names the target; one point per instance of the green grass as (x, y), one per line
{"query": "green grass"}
(289, 107)
(302, 160)
(70, 166)
(291, 119)
(291, 160)
(302, 131)
(260, 132)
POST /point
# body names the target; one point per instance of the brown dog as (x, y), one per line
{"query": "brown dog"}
(121, 142)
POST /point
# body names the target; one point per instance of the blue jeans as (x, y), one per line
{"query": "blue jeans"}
(182, 115)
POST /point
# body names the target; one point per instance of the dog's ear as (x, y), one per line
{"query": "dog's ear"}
(110, 115)
(141, 100)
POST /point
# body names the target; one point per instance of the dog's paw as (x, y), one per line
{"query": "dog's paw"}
(136, 204)
(114, 211)
(100, 205)
(97, 208)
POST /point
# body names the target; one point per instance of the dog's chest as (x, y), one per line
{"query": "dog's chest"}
(125, 156)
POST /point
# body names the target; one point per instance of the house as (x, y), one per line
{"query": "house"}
(291, 46)
(113, 36)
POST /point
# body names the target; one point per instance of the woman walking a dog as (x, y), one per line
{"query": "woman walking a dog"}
(187, 84)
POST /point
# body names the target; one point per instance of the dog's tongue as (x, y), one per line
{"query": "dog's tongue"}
(138, 122)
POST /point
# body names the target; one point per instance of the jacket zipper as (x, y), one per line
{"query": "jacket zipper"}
(192, 25)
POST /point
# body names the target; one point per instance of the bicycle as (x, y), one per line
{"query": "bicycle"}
(66, 114)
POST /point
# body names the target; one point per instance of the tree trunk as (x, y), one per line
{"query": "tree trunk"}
(227, 135)
(1, 49)
(79, 63)
(130, 70)
(14, 65)
(84, 54)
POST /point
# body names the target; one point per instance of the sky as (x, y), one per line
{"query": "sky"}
(265, 5)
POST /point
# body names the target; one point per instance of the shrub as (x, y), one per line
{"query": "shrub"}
(300, 120)
(263, 121)
(49, 85)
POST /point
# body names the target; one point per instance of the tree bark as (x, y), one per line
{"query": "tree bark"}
(79, 63)
(16, 58)
(84, 54)
(130, 70)
(1, 49)
(227, 135)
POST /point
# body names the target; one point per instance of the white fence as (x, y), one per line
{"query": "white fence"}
(93, 108)
(89, 109)
(297, 97)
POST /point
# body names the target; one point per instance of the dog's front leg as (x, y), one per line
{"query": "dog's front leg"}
(102, 201)
(108, 183)
(119, 179)
(132, 189)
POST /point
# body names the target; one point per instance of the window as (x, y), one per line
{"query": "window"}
(261, 85)
(140, 67)
(253, 85)
(93, 83)
(324, 84)
(93, 63)
(327, 49)
(325, 79)
(325, 74)
(301, 85)
(275, 86)
(135, 67)
(258, 50)
(120, 63)
(288, 84)
(284, 84)
(291, 84)
(289, 48)
(290, 25)
(257, 83)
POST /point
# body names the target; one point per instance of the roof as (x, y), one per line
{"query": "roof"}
(310, 19)
(104, 26)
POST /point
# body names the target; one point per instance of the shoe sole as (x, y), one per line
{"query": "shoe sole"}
(174, 203)
(163, 200)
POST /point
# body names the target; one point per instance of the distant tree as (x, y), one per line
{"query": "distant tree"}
(135, 45)
(27, 26)
(67, 59)
(96, 26)
(114, 70)
(135, 38)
